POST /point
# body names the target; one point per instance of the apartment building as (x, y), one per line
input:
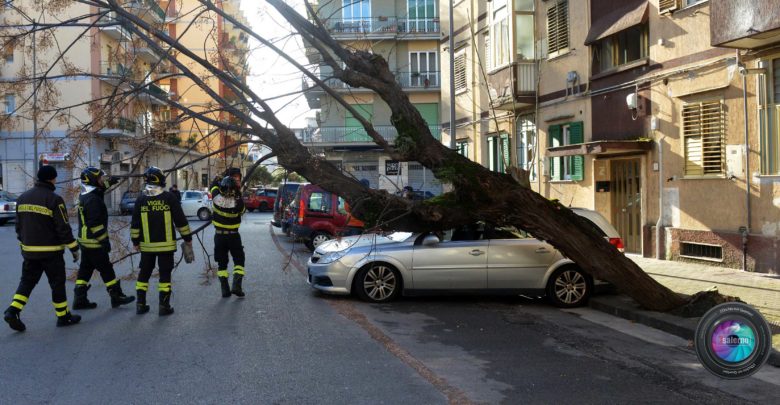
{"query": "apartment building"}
(406, 34)
(634, 108)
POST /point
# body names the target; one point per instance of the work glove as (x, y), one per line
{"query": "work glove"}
(75, 254)
(187, 252)
(113, 180)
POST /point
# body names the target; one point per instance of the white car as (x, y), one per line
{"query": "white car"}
(478, 258)
(196, 204)
(7, 206)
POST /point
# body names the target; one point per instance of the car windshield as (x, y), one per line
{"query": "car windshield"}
(4, 195)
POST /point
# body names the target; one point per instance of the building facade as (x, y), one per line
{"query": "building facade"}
(637, 109)
(406, 33)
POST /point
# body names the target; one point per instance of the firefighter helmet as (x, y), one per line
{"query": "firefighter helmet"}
(227, 184)
(90, 176)
(154, 176)
(233, 171)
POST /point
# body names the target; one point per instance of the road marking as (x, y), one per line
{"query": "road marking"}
(348, 310)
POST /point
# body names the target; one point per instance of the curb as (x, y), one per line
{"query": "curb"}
(624, 307)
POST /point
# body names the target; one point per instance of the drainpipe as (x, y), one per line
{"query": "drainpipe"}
(452, 74)
(659, 254)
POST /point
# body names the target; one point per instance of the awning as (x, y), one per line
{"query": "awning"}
(601, 148)
(618, 20)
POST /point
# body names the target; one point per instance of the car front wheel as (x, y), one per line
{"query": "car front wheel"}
(569, 287)
(378, 283)
(204, 214)
(316, 239)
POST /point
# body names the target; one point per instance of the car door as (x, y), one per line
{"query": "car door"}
(516, 260)
(458, 262)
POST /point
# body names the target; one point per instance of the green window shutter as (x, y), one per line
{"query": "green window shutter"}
(576, 133)
(506, 158)
(578, 167)
(554, 136)
(354, 131)
(552, 168)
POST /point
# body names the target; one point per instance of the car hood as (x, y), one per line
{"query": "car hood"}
(350, 242)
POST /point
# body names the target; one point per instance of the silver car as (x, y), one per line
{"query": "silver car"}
(7, 206)
(471, 259)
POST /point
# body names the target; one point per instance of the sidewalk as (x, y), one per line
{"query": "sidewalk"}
(762, 291)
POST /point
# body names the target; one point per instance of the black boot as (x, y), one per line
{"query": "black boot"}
(225, 285)
(140, 305)
(165, 303)
(11, 316)
(237, 291)
(68, 320)
(118, 297)
(80, 300)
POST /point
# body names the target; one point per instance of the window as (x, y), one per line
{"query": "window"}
(526, 144)
(624, 47)
(488, 63)
(422, 15)
(463, 149)
(8, 52)
(270, 193)
(424, 69)
(769, 119)
(9, 103)
(505, 232)
(498, 153)
(318, 201)
(356, 15)
(191, 195)
(524, 30)
(688, 3)
(558, 28)
(342, 206)
(703, 136)
(461, 84)
(566, 167)
(499, 33)
(667, 6)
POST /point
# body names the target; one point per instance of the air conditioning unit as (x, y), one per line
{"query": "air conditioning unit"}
(631, 101)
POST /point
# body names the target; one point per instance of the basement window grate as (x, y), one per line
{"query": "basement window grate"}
(701, 251)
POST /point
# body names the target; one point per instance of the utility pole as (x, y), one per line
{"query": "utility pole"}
(452, 74)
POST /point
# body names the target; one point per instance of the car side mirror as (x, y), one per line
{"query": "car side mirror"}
(430, 240)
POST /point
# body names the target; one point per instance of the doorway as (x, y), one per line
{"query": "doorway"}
(627, 202)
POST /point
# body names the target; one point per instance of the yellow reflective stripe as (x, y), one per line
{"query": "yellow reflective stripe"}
(238, 270)
(96, 229)
(83, 223)
(20, 297)
(222, 273)
(158, 249)
(42, 248)
(164, 287)
(236, 226)
(81, 282)
(214, 188)
(61, 313)
(102, 237)
(72, 245)
(158, 244)
(91, 242)
(184, 230)
(17, 305)
(34, 208)
(141, 286)
(112, 282)
(168, 226)
(64, 213)
(135, 232)
(59, 305)
(145, 225)
(225, 214)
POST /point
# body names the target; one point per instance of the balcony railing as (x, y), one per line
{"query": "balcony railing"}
(156, 91)
(119, 127)
(116, 31)
(418, 80)
(115, 69)
(383, 25)
(150, 6)
(358, 135)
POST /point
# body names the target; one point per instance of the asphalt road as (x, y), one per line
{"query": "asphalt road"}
(284, 343)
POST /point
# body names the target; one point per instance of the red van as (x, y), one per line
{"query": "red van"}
(320, 215)
(261, 200)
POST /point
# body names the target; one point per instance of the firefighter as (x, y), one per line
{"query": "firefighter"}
(228, 206)
(44, 232)
(157, 212)
(94, 242)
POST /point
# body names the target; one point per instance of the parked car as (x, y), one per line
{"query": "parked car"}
(417, 195)
(261, 200)
(196, 204)
(284, 195)
(127, 203)
(7, 207)
(319, 216)
(478, 258)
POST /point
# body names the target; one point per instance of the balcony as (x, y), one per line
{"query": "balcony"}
(744, 24)
(419, 80)
(410, 81)
(147, 54)
(119, 127)
(116, 74)
(148, 10)
(356, 136)
(153, 94)
(513, 86)
(383, 27)
(117, 31)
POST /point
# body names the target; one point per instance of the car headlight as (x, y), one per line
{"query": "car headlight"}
(333, 256)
